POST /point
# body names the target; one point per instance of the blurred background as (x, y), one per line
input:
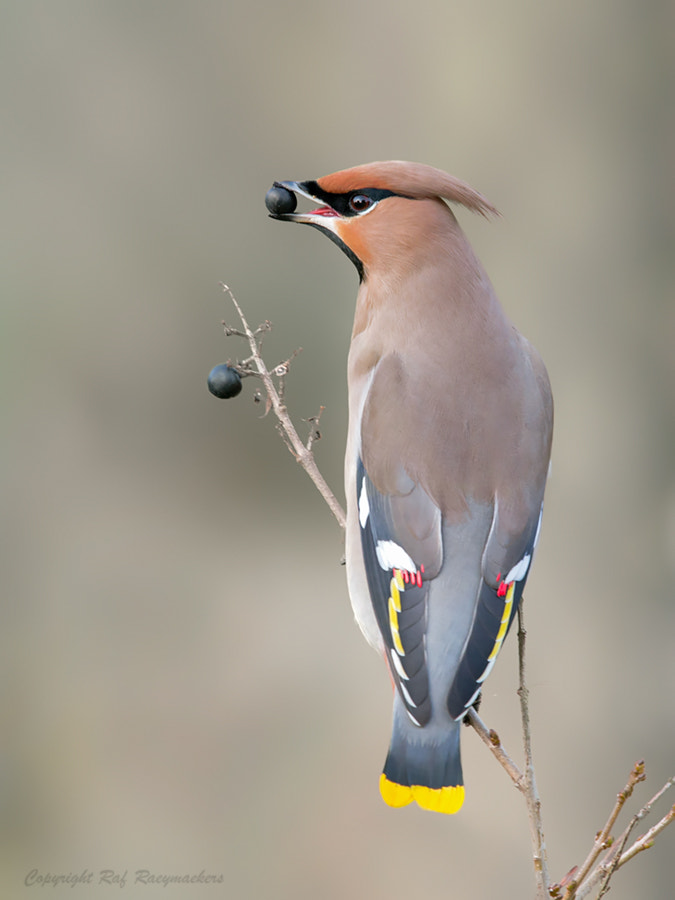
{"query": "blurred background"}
(182, 684)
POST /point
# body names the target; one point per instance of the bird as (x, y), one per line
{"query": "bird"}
(448, 450)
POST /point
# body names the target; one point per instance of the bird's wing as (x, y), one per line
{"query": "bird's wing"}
(402, 552)
(505, 565)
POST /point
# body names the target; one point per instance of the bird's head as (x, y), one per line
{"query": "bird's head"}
(378, 213)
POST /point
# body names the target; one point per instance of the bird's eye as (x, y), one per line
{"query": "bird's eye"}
(359, 203)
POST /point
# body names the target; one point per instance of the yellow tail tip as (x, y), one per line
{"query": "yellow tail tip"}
(444, 800)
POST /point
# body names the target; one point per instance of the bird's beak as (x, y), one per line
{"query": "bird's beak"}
(319, 216)
(324, 217)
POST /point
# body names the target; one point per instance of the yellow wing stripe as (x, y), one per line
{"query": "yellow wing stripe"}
(447, 800)
(395, 598)
(393, 615)
(396, 585)
(504, 624)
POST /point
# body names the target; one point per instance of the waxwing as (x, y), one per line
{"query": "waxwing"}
(450, 424)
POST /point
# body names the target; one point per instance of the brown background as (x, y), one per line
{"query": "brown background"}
(182, 684)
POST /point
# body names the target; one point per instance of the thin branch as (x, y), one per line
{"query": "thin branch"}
(524, 781)
(302, 453)
(491, 740)
(602, 839)
(618, 856)
(530, 785)
(314, 433)
(613, 865)
(646, 809)
(647, 839)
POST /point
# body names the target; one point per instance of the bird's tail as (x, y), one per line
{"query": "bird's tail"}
(423, 764)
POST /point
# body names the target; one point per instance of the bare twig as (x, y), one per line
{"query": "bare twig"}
(618, 856)
(530, 785)
(302, 453)
(647, 808)
(314, 433)
(491, 739)
(603, 839)
(524, 781)
(647, 839)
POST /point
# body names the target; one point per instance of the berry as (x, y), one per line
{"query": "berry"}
(224, 382)
(279, 200)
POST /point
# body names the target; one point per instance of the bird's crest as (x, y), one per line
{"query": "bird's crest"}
(410, 179)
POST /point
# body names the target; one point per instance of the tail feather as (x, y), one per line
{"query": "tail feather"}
(423, 765)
